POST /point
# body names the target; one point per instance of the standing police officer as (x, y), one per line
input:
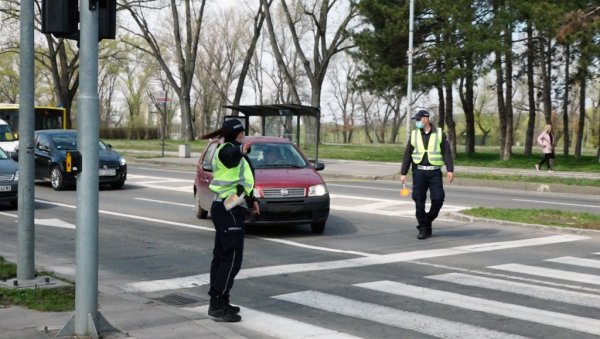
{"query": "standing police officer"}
(232, 175)
(428, 150)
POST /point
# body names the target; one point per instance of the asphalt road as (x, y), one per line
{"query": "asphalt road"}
(366, 276)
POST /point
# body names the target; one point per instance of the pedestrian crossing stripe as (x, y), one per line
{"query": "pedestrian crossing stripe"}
(535, 291)
(203, 279)
(549, 273)
(589, 263)
(388, 316)
(562, 320)
(278, 326)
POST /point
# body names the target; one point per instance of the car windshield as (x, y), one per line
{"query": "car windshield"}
(68, 141)
(6, 134)
(276, 156)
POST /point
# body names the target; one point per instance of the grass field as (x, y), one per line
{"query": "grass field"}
(542, 217)
(485, 157)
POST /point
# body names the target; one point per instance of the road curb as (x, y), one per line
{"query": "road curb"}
(572, 230)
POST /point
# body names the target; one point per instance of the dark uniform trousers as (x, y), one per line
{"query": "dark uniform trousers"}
(229, 247)
(423, 181)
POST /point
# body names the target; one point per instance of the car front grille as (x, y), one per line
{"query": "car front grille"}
(109, 165)
(288, 216)
(6, 176)
(292, 192)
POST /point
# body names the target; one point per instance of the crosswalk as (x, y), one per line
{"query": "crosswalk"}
(502, 304)
(339, 202)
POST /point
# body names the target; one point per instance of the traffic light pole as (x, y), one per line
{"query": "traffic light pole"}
(87, 321)
(26, 228)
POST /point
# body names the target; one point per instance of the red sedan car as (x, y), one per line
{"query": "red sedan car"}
(288, 187)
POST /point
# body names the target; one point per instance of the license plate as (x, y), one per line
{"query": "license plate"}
(5, 188)
(107, 172)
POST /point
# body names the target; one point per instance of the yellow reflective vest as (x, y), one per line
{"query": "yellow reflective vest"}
(434, 147)
(225, 180)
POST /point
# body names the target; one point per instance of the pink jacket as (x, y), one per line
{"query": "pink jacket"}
(545, 142)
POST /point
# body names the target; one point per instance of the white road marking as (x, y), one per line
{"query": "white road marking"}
(388, 316)
(367, 187)
(555, 203)
(536, 291)
(590, 263)
(550, 273)
(277, 326)
(9, 214)
(165, 202)
(567, 321)
(54, 223)
(203, 279)
(506, 276)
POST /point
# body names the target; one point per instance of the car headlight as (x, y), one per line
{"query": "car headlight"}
(122, 161)
(256, 192)
(16, 177)
(317, 190)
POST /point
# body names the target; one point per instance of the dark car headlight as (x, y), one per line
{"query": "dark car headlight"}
(122, 161)
(317, 190)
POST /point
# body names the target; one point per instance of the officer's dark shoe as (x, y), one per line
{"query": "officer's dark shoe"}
(232, 308)
(220, 308)
(428, 231)
(422, 234)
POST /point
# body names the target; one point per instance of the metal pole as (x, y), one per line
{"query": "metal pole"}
(411, 25)
(26, 229)
(164, 123)
(88, 134)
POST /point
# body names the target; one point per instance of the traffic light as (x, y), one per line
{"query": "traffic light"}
(61, 18)
(107, 19)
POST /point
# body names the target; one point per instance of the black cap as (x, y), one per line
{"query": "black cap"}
(420, 114)
(229, 130)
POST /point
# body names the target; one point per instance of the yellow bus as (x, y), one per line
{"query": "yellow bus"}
(46, 117)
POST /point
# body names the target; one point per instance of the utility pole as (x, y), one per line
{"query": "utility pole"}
(26, 226)
(411, 28)
(87, 321)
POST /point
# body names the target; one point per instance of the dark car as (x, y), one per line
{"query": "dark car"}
(9, 179)
(288, 187)
(51, 147)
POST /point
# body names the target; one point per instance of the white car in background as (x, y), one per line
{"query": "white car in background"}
(8, 141)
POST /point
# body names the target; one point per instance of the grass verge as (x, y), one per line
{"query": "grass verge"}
(533, 179)
(58, 299)
(539, 216)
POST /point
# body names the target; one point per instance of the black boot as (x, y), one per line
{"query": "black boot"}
(219, 308)
(422, 233)
(232, 308)
(428, 230)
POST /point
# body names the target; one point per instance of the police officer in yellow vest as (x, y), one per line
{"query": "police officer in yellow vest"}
(427, 150)
(232, 177)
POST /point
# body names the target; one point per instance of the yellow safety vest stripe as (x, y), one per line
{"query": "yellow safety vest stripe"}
(434, 149)
(225, 180)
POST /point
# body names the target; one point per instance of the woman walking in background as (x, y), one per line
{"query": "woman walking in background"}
(546, 141)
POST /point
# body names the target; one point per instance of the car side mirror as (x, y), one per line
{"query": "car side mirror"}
(15, 155)
(319, 166)
(43, 148)
(206, 166)
(109, 146)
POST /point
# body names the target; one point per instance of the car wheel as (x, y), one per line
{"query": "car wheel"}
(318, 227)
(118, 184)
(200, 212)
(57, 179)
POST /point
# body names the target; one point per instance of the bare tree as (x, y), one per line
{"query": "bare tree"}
(346, 98)
(185, 39)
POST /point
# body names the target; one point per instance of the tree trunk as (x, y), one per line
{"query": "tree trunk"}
(450, 118)
(500, 99)
(467, 99)
(581, 125)
(546, 57)
(508, 141)
(530, 134)
(567, 139)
